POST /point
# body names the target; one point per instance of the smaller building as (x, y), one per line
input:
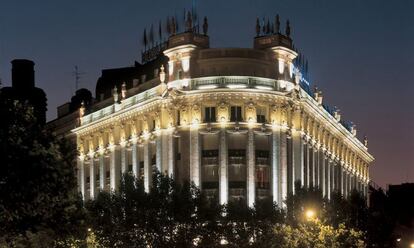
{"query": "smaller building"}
(23, 88)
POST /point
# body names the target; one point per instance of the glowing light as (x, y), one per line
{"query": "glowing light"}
(251, 122)
(223, 242)
(281, 65)
(111, 147)
(82, 157)
(123, 142)
(185, 82)
(223, 121)
(91, 153)
(207, 87)
(310, 214)
(101, 150)
(412, 245)
(146, 135)
(185, 63)
(236, 86)
(261, 87)
(195, 123)
(170, 67)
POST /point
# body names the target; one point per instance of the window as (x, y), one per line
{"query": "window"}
(178, 118)
(261, 115)
(210, 114)
(235, 113)
(179, 75)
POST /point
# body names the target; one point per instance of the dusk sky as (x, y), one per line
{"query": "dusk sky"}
(361, 54)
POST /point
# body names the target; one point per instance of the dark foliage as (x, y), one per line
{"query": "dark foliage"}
(39, 199)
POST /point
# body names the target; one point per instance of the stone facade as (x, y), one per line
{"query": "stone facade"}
(236, 122)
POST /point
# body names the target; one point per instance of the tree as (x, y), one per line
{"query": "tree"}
(39, 200)
(316, 234)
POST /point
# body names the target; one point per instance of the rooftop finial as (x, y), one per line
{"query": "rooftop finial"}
(189, 22)
(268, 27)
(205, 26)
(144, 39)
(287, 28)
(162, 74)
(82, 109)
(115, 94)
(257, 26)
(123, 91)
(277, 24)
(366, 141)
(263, 26)
(173, 26)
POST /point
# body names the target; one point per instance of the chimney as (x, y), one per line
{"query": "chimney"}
(23, 74)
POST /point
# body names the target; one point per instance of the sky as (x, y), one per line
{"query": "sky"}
(361, 54)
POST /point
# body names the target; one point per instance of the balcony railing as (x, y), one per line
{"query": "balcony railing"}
(232, 81)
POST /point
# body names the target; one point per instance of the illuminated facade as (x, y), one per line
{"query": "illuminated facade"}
(241, 123)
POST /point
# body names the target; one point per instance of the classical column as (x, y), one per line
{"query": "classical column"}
(307, 164)
(322, 178)
(102, 172)
(165, 152)
(339, 177)
(92, 178)
(276, 192)
(315, 166)
(223, 172)
(114, 168)
(82, 179)
(332, 168)
(147, 167)
(328, 176)
(342, 178)
(158, 151)
(123, 159)
(283, 167)
(297, 149)
(195, 156)
(346, 183)
(250, 169)
(170, 157)
(135, 160)
(310, 166)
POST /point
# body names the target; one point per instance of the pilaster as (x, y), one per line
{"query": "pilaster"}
(223, 172)
(250, 169)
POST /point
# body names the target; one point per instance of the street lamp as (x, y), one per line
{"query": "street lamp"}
(310, 214)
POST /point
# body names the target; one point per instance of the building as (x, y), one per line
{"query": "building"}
(241, 123)
(23, 88)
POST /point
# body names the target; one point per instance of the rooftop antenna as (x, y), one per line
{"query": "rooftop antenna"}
(77, 75)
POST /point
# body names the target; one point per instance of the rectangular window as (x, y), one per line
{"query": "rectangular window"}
(261, 115)
(210, 114)
(178, 118)
(236, 113)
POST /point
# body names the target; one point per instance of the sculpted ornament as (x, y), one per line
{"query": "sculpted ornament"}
(196, 113)
(251, 112)
(223, 112)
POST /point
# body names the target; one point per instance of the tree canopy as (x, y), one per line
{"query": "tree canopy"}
(39, 201)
